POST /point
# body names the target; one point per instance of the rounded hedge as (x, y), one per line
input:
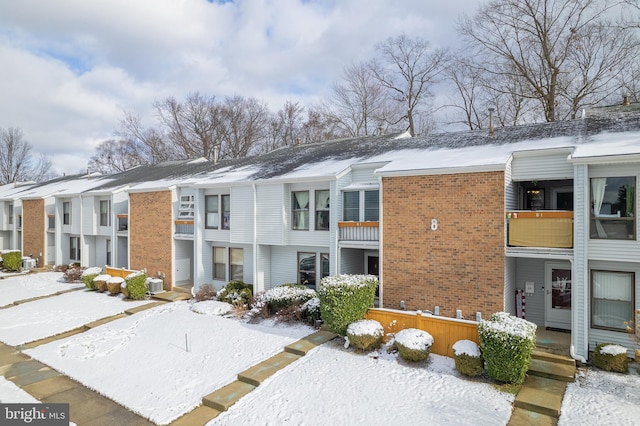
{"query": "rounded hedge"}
(345, 299)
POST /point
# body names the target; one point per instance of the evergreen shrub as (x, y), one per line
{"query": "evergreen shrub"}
(413, 344)
(88, 275)
(365, 335)
(611, 357)
(468, 358)
(507, 343)
(136, 284)
(12, 260)
(345, 299)
(236, 293)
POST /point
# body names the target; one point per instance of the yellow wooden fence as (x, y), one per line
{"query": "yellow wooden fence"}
(118, 272)
(445, 331)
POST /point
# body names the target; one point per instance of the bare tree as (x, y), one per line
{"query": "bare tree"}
(16, 161)
(408, 69)
(244, 125)
(358, 104)
(149, 144)
(114, 156)
(191, 125)
(561, 51)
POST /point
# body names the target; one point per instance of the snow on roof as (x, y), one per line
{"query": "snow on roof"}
(608, 145)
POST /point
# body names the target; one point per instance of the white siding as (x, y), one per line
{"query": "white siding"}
(531, 270)
(88, 251)
(183, 262)
(76, 217)
(241, 215)
(284, 263)
(364, 174)
(352, 261)
(88, 215)
(542, 166)
(100, 251)
(271, 214)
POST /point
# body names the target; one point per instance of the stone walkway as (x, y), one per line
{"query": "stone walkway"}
(88, 408)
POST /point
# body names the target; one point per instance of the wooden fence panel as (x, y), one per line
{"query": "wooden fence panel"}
(445, 331)
(117, 272)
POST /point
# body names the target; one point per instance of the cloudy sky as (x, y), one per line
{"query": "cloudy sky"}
(69, 68)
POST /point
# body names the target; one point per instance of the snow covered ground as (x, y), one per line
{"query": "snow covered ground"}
(26, 286)
(162, 361)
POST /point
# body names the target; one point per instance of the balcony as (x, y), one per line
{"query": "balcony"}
(359, 231)
(184, 227)
(540, 228)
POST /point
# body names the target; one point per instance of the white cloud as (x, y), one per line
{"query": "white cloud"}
(72, 66)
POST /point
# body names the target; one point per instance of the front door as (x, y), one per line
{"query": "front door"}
(558, 295)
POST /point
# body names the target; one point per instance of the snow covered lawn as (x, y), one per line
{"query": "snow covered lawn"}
(335, 386)
(161, 362)
(54, 315)
(27, 286)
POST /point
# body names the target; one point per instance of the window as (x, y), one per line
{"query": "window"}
(300, 209)
(322, 210)
(324, 265)
(10, 214)
(307, 269)
(219, 263)
(105, 213)
(226, 211)
(74, 248)
(212, 205)
(186, 207)
(108, 252)
(236, 264)
(51, 219)
(19, 221)
(66, 213)
(612, 299)
(212, 217)
(613, 208)
(361, 206)
(371, 213)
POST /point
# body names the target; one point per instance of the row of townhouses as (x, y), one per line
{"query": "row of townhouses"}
(540, 216)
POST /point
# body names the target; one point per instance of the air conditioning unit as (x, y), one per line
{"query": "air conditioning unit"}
(28, 263)
(155, 285)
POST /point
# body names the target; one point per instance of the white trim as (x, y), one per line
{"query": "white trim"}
(499, 167)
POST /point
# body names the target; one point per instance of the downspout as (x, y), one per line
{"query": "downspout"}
(81, 239)
(258, 284)
(572, 348)
(380, 244)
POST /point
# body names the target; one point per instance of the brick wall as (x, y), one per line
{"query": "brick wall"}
(33, 230)
(458, 266)
(151, 233)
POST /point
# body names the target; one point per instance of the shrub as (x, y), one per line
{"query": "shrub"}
(88, 275)
(468, 358)
(236, 292)
(285, 301)
(73, 274)
(365, 335)
(12, 260)
(413, 344)
(311, 310)
(345, 299)
(113, 285)
(611, 357)
(136, 284)
(100, 282)
(507, 343)
(205, 292)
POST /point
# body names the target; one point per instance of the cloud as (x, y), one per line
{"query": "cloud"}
(72, 66)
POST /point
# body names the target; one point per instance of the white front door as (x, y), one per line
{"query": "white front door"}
(558, 295)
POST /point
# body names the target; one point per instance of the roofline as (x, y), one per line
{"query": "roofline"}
(606, 159)
(497, 167)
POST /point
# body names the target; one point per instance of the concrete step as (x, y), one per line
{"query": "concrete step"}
(103, 321)
(198, 416)
(552, 370)
(521, 417)
(144, 307)
(548, 356)
(541, 395)
(262, 371)
(171, 296)
(225, 397)
(304, 345)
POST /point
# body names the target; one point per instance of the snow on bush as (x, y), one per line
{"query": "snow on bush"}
(288, 301)
(365, 335)
(611, 357)
(345, 299)
(88, 275)
(12, 260)
(468, 358)
(136, 283)
(212, 307)
(507, 343)
(413, 344)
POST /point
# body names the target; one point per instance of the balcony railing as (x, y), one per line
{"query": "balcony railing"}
(359, 231)
(184, 227)
(540, 228)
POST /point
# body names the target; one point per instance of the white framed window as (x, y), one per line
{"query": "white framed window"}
(300, 210)
(307, 269)
(186, 207)
(10, 214)
(108, 252)
(612, 299)
(613, 209)
(322, 210)
(66, 213)
(361, 206)
(219, 263)
(226, 211)
(105, 213)
(217, 207)
(74, 248)
(236, 264)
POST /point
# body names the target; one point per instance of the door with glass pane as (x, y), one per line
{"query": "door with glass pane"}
(558, 295)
